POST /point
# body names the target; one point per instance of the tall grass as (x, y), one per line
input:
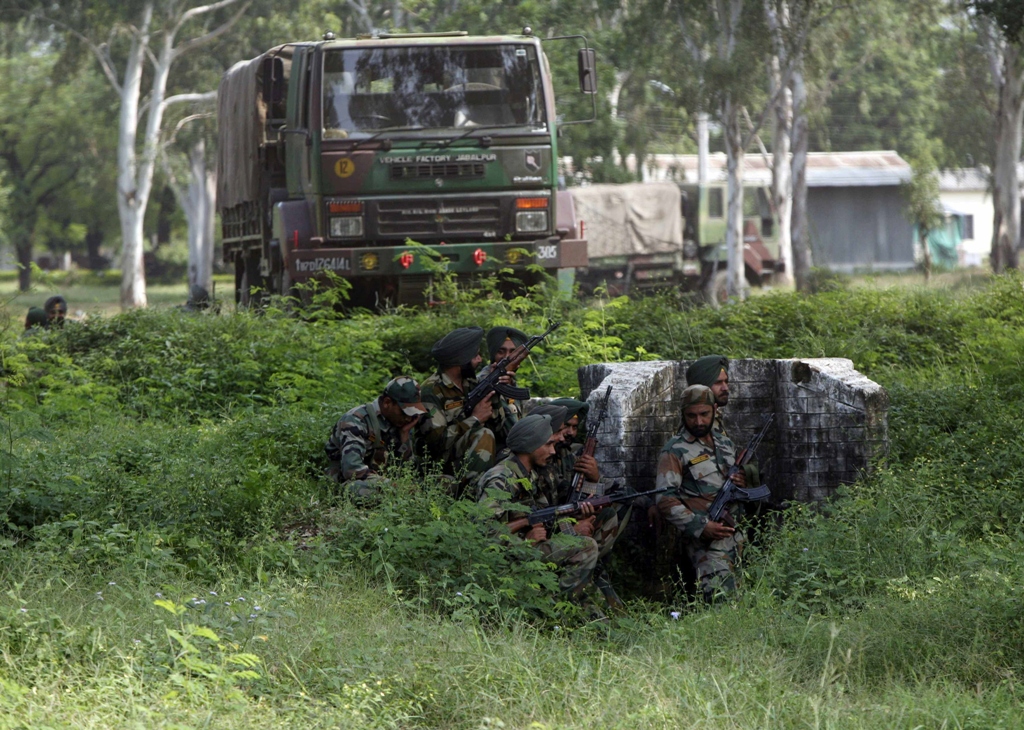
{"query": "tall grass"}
(158, 456)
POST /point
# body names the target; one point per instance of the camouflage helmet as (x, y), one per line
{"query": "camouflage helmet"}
(697, 395)
(406, 393)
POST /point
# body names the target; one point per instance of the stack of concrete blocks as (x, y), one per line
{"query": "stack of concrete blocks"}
(830, 428)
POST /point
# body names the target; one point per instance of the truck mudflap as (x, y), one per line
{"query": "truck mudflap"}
(462, 258)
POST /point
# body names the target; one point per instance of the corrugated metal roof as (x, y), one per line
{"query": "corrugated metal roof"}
(824, 169)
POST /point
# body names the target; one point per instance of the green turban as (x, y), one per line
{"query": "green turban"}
(36, 318)
(557, 414)
(529, 434)
(697, 395)
(573, 407)
(458, 347)
(496, 337)
(706, 370)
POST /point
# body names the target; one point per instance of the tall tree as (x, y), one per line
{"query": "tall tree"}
(44, 138)
(1001, 23)
(137, 31)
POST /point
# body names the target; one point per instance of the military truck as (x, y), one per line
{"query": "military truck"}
(382, 157)
(655, 235)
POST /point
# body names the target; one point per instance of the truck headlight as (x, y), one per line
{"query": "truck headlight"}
(347, 227)
(531, 221)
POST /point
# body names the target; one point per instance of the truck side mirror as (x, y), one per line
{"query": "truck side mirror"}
(587, 63)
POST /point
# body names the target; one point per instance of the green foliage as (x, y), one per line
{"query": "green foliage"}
(157, 449)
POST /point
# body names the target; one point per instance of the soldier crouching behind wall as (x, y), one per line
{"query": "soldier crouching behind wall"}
(693, 466)
(512, 490)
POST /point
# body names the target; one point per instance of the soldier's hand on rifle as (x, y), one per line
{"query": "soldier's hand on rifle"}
(537, 533)
(484, 410)
(716, 531)
(740, 478)
(507, 379)
(587, 465)
(585, 527)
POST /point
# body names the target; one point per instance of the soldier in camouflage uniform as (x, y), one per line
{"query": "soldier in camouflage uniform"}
(693, 466)
(502, 342)
(713, 371)
(513, 482)
(609, 523)
(365, 437)
(459, 443)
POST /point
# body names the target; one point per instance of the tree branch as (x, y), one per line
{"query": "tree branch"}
(186, 98)
(219, 31)
(201, 10)
(102, 51)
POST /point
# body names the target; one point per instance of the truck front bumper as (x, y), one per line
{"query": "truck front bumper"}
(460, 258)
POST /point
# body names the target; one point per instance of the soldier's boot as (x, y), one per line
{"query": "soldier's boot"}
(603, 584)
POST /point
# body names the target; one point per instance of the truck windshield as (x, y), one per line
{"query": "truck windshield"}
(418, 87)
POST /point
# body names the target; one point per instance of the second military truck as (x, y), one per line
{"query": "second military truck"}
(374, 157)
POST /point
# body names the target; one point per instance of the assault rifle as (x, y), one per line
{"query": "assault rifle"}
(590, 445)
(549, 514)
(490, 381)
(732, 493)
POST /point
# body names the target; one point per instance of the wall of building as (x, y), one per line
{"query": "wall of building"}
(860, 228)
(976, 203)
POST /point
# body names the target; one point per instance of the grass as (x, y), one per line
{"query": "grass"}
(159, 457)
(342, 652)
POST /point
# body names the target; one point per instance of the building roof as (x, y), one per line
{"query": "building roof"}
(824, 169)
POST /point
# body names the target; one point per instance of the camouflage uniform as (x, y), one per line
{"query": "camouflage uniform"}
(693, 472)
(555, 482)
(359, 448)
(448, 436)
(575, 556)
(506, 411)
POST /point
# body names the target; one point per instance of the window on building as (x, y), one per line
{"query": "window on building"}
(968, 234)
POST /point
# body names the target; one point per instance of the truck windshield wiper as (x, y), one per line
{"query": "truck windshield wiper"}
(357, 143)
(449, 142)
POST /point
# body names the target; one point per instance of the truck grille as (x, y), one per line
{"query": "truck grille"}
(445, 170)
(468, 216)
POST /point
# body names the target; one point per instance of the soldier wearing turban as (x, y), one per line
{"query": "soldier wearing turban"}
(713, 372)
(693, 466)
(511, 490)
(501, 343)
(460, 443)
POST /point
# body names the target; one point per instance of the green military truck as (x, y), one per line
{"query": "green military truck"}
(341, 155)
(661, 234)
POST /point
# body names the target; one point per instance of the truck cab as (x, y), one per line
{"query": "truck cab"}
(382, 158)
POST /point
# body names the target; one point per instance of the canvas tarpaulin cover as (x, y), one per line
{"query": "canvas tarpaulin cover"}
(241, 122)
(631, 219)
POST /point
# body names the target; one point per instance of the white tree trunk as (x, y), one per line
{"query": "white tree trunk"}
(1009, 125)
(782, 178)
(801, 243)
(130, 208)
(198, 205)
(734, 160)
